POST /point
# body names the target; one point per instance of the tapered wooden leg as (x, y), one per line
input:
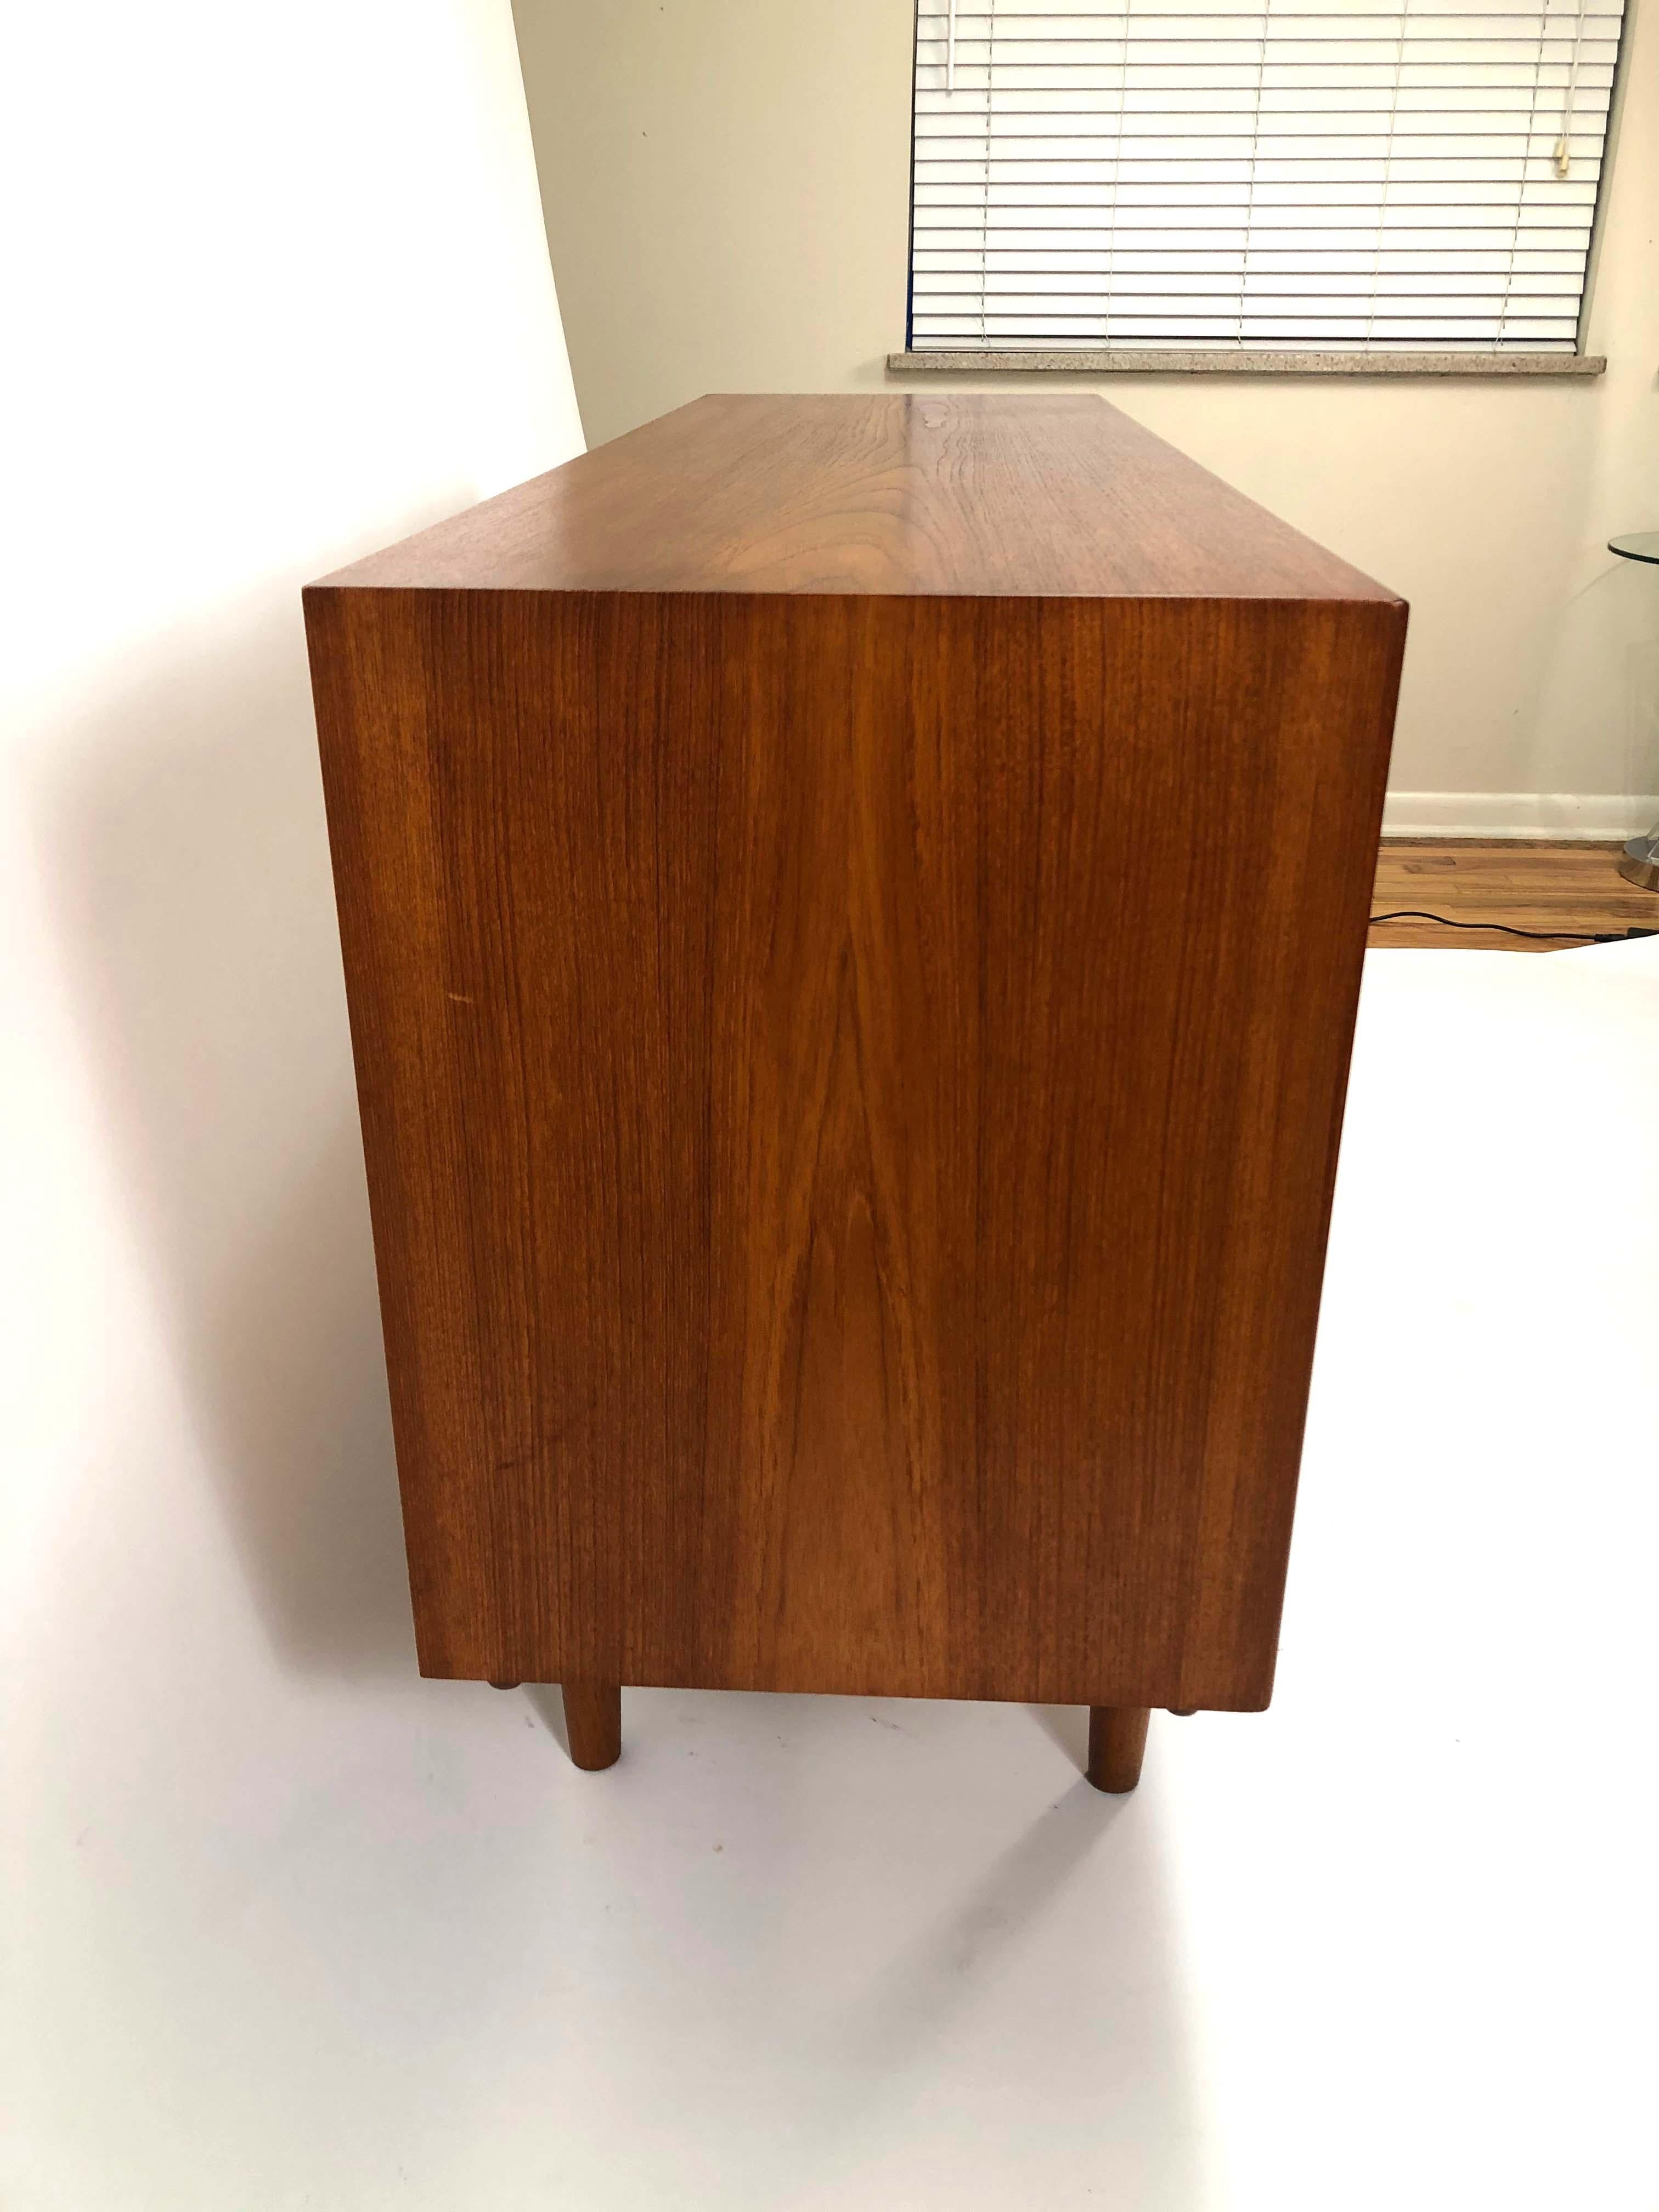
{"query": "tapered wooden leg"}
(1117, 1743)
(593, 1721)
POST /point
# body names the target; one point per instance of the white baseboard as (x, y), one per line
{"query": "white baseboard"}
(1518, 814)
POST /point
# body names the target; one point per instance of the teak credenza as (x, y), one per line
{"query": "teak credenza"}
(853, 912)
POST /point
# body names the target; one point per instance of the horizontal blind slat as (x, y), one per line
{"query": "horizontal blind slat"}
(1333, 173)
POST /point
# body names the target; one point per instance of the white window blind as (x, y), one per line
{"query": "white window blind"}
(1321, 173)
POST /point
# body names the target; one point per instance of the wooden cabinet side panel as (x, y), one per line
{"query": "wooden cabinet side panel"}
(850, 1091)
(370, 664)
(521, 793)
(1144, 833)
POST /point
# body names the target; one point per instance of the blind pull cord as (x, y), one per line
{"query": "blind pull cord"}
(1561, 160)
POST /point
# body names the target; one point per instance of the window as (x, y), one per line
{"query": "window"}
(1328, 174)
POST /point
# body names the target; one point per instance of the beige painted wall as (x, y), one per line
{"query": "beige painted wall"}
(725, 187)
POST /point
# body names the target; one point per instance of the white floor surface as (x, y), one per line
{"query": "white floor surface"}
(291, 1928)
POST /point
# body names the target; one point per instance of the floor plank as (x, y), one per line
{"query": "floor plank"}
(1575, 889)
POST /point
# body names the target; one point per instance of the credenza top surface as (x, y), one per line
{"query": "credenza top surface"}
(978, 494)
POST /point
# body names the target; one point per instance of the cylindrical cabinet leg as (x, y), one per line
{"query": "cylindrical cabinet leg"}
(1117, 1743)
(593, 1721)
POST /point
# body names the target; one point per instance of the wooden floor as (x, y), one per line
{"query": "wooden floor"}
(1575, 889)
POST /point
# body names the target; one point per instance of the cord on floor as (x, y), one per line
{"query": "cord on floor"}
(1544, 936)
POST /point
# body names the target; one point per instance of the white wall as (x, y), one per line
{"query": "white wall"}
(727, 190)
(282, 295)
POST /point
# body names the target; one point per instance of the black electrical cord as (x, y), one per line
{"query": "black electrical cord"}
(1546, 936)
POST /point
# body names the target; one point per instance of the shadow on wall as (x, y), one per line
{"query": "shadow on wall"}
(185, 836)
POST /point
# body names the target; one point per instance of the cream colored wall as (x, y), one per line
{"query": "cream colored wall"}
(725, 187)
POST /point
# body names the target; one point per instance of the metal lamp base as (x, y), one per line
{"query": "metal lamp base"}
(1639, 861)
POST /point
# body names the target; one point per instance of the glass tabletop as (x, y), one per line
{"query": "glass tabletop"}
(1641, 546)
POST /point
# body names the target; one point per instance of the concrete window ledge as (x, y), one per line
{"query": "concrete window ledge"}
(1146, 361)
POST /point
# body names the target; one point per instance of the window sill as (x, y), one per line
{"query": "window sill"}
(1148, 361)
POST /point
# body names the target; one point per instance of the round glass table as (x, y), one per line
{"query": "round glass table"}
(1639, 861)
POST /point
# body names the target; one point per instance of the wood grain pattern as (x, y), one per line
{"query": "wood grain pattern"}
(1047, 496)
(1575, 889)
(850, 1083)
